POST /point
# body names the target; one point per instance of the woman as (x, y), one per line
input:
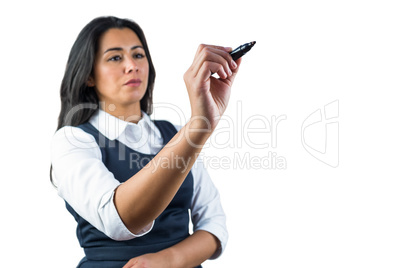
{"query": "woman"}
(129, 181)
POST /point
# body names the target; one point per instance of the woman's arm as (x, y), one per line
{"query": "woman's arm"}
(190, 252)
(143, 197)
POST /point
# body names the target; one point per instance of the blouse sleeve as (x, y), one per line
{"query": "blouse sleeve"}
(85, 183)
(206, 210)
(207, 213)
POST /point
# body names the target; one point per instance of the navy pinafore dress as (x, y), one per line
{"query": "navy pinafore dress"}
(169, 228)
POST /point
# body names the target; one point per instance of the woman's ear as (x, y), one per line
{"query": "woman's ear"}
(91, 82)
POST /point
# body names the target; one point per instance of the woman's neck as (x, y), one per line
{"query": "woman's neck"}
(130, 113)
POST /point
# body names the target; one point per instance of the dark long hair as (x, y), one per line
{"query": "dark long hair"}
(79, 101)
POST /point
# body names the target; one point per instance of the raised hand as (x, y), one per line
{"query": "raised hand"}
(209, 96)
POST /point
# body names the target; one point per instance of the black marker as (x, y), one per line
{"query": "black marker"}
(241, 50)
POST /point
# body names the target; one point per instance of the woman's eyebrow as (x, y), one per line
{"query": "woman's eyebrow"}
(119, 49)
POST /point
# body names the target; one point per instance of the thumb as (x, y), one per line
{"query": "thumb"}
(235, 70)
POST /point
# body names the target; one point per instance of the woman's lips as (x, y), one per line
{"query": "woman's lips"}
(133, 83)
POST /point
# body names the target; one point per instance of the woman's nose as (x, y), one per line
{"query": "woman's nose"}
(131, 66)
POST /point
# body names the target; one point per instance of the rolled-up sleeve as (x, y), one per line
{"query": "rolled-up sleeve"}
(85, 183)
(207, 213)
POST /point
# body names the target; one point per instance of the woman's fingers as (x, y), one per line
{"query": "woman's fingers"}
(209, 96)
(130, 263)
(204, 46)
(235, 69)
(214, 57)
(208, 68)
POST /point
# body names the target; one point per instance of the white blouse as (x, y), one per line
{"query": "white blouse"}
(88, 186)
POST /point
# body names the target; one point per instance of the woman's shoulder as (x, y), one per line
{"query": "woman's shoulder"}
(68, 138)
(68, 132)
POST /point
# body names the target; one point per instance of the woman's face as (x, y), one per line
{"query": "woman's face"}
(121, 68)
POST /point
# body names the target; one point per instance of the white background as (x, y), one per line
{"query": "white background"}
(308, 54)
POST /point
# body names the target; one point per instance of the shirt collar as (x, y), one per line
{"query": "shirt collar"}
(112, 127)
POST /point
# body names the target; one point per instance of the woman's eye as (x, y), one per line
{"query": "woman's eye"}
(114, 58)
(139, 56)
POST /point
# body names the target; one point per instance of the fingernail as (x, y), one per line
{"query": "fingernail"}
(228, 49)
(233, 63)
